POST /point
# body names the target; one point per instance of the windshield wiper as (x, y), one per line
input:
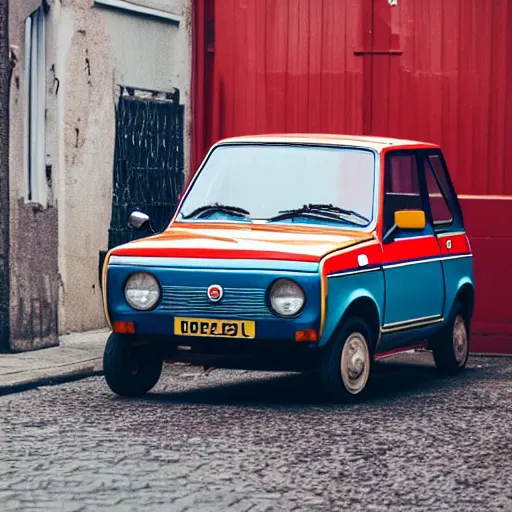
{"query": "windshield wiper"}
(337, 209)
(231, 210)
(327, 211)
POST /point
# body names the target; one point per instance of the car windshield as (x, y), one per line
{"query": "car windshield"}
(284, 183)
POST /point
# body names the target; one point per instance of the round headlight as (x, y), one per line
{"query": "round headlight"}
(286, 297)
(142, 291)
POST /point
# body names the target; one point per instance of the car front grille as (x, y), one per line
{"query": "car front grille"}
(240, 303)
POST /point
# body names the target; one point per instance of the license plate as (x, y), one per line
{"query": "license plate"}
(206, 327)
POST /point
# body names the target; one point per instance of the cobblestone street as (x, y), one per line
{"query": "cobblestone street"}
(259, 441)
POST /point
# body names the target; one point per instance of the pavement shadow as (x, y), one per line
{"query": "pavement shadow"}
(390, 382)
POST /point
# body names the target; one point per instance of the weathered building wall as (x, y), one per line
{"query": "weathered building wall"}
(108, 47)
(155, 55)
(86, 144)
(34, 274)
(90, 50)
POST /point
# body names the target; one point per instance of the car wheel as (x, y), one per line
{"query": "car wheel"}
(130, 370)
(451, 346)
(346, 364)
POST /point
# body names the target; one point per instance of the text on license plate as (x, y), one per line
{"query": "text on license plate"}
(209, 327)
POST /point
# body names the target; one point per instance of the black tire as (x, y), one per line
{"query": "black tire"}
(130, 370)
(451, 346)
(340, 382)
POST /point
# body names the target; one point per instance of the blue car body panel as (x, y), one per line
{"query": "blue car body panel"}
(245, 295)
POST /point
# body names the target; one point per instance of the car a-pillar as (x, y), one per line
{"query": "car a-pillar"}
(347, 358)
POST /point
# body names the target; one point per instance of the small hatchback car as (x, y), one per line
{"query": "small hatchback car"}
(296, 252)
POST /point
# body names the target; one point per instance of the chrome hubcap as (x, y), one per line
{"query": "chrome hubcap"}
(355, 363)
(460, 340)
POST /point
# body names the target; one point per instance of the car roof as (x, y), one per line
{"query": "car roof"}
(362, 141)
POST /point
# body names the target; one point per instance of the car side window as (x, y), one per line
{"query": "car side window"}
(437, 187)
(401, 186)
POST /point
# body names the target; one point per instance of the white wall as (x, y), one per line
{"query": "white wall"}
(95, 49)
(153, 54)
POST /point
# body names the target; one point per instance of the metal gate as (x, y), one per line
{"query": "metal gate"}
(148, 160)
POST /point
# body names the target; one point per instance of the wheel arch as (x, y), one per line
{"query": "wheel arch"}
(466, 296)
(366, 308)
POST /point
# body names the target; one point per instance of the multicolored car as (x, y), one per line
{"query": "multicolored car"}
(296, 253)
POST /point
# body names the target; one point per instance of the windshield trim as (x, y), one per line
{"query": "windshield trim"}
(242, 222)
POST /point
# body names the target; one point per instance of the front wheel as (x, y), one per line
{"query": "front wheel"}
(130, 370)
(451, 347)
(346, 364)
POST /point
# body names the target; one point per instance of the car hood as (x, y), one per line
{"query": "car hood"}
(248, 242)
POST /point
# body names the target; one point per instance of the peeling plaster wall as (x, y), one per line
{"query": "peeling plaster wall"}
(86, 116)
(34, 273)
(90, 50)
(107, 47)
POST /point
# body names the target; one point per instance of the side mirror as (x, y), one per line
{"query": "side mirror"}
(410, 219)
(138, 220)
(406, 220)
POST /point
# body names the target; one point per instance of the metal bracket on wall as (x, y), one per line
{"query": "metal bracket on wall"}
(132, 8)
(173, 95)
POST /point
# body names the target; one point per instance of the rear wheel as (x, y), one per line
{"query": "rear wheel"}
(451, 347)
(346, 364)
(130, 370)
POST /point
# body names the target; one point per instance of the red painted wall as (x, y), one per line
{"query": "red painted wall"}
(432, 70)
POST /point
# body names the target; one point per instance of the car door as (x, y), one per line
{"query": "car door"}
(447, 221)
(411, 259)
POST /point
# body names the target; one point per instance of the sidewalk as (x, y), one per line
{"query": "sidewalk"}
(78, 356)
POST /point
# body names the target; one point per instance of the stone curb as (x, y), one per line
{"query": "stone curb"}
(53, 376)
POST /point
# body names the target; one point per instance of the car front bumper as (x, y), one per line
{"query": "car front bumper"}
(184, 285)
